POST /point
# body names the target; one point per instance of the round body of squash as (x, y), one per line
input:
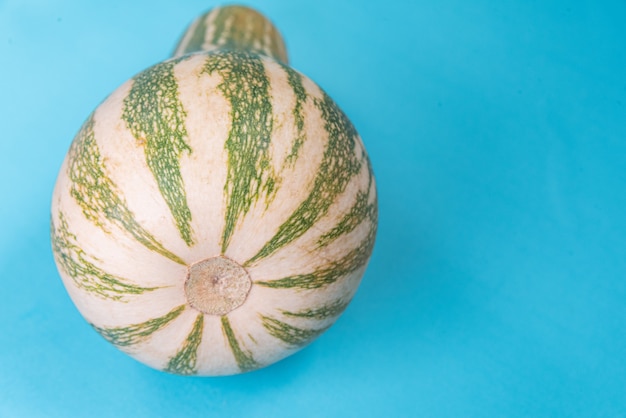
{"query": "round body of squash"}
(217, 211)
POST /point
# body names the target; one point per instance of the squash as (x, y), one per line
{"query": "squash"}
(215, 213)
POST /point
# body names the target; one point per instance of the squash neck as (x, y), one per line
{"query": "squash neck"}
(236, 28)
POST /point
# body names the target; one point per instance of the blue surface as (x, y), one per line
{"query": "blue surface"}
(497, 130)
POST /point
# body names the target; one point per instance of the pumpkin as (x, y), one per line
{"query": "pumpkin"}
(216, 212)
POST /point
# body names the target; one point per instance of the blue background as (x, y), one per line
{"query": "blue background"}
(497, 130)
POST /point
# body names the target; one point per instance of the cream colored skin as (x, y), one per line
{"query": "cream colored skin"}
(204, 176)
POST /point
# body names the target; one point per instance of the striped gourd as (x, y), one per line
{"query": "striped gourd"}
(217, 211)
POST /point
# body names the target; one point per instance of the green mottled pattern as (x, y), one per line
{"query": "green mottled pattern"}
(250, 175)
(243, 29)
(339, 164)
(289, 334)
(244, 358)
(97, 195)
(360, 211)
(136, 333)
(85, 274)
(295, 81)
(156, 118)
(332, 271)
(185, 360)
(329, 310)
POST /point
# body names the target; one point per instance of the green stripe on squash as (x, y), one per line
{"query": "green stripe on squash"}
(156, 118)
(186, 359)
(85, 274)
(339, 165)
(361, 210)
(245, 360)
(233, 28)
(250, 175)
(330, 272)
(137, 333)
(97, 195)
(326, 311)
(289, 334)
(295, 81)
